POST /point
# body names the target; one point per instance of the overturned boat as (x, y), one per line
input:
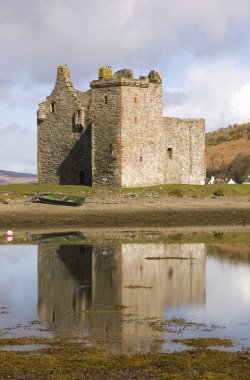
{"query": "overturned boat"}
(60, 199)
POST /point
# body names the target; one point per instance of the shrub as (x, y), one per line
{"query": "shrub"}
(218, 192)
(176, 193)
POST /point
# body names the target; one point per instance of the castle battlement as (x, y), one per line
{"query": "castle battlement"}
(116, 81)
(124, 77)
(115, 134)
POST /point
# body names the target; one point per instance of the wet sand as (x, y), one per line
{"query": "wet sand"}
(129, 213)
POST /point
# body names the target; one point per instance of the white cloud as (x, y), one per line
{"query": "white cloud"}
(201, 49)
(240, 103)
(216, 91)
(84, 34)
(18, 148)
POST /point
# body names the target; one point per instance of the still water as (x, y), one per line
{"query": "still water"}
(126, 297)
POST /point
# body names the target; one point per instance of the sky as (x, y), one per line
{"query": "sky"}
(201, 48)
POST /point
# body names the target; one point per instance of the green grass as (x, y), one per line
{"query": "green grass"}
(192, 191)
(177, 191)
(27, 189)
(201, 191)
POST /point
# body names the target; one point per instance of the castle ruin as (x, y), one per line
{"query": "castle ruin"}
(115, 134)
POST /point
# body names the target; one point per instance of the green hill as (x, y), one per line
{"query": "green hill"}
(230, 133)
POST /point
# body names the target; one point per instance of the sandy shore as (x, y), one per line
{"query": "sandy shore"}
(130, 212)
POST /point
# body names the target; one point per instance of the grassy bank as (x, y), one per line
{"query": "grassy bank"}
(148, 207)
(196, 191)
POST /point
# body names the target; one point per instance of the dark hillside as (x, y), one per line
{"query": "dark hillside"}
(228, 152)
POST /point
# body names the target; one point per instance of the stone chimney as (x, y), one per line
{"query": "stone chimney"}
(105, 72)
(63, 72)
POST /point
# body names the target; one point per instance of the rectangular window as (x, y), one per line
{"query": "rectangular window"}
(111, 150)
(52, 107)
(170, 153)
(140, 155)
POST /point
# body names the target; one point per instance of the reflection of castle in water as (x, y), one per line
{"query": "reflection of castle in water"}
(85, 286)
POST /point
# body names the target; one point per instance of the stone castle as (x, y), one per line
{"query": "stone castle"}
(115, 134)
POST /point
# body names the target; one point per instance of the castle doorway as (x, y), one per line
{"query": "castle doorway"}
(82, 177)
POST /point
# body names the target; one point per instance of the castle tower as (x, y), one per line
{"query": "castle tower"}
(127, 132)
(106, 126)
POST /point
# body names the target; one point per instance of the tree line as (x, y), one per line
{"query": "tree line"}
(238, 169)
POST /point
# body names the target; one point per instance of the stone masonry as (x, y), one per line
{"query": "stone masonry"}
(115, 134)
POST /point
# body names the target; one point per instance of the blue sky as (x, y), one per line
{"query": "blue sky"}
(201, 49)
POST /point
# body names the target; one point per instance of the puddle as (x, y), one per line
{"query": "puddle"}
(125, 297)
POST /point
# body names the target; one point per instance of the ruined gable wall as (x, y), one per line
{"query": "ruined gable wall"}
(186, 138)
(63, 146)
(142, 134)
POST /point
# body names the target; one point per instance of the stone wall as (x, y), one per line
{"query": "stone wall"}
(105, 114)
(64, 136)
(142, 134)
(184, 150)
